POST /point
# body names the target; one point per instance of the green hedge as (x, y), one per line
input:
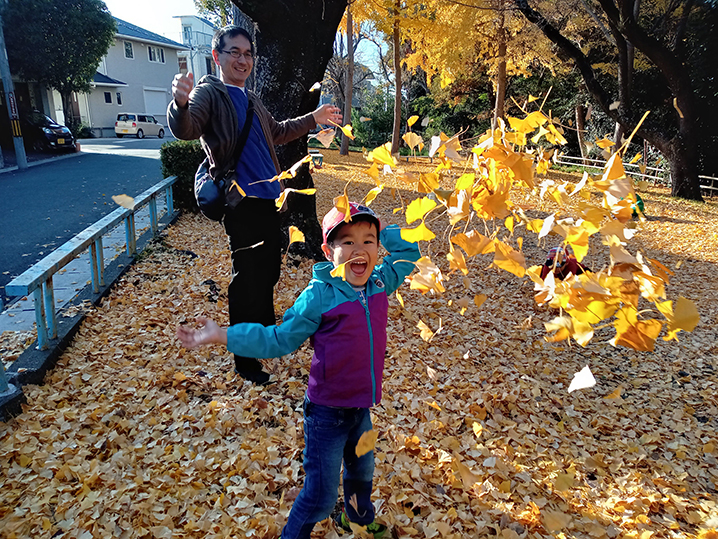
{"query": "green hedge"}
(181, 158)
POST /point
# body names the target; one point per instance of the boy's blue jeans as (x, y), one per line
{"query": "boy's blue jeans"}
(330, 436)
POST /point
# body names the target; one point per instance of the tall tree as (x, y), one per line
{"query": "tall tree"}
(291, 58)
(349, 80)
(58, 43)
(659, 37)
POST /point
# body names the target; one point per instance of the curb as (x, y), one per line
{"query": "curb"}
(33, 364)
(15, 168)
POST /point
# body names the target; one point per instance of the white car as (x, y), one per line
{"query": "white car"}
(140, 125)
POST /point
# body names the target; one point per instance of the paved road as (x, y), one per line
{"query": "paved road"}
(47, 204)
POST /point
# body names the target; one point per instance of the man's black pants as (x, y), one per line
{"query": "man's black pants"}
(255, 242)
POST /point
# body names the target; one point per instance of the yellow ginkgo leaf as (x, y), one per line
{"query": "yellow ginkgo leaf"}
(347, 129)
(532, 98)
(341, 203)
(382, 155)
(366, 443)
(508, 259)
(633, 333)
(615, 394)
(325, 136)
(636, 158)
(316, 86)
(457, 261)
(420, 233)
(683, 317)
(555, 521)
(509, 223)
(340, 271)
(425, 331)
(373, 171)
(604, 143)
(479, 299)
(400, 298)
(124, 201)
(279, 202)
(419, 208)
(295, 235)
(411, 121)
(371, 195)
(413, 140)
(474, 243)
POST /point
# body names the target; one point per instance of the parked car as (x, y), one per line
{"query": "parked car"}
(140, 125)
(42, 133)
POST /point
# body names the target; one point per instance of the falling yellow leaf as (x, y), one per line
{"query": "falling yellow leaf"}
(124, 201)
(425, 331)
(420, 233)
(316, 86)
(532, 98)
(636, 158)
(604, 143)
(675, 106)
(411, 121)
(295, 235)
(341, 203)
(418, 209)
(347, 129)
(413, 140)
(508, 259)
(615, 394)
(399, 298)
(382, 155)
(479, 299)
(366, 443)
(325, 136)
(371, 195)
(364, 119)
(340, 271)
(283, 196)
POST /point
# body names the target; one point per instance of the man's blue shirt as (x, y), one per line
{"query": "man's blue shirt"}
(255, 165)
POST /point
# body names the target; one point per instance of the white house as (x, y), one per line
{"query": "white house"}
(135, 76)
(197, 37)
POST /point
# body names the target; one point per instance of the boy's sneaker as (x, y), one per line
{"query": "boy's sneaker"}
(376, 529)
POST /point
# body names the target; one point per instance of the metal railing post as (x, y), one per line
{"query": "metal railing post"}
(40, 318)
(48, 292)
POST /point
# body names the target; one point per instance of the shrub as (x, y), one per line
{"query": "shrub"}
(181, 158)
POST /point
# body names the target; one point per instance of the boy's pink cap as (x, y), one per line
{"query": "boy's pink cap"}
(335, 218)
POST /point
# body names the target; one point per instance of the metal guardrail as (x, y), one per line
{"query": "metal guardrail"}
(713, 187)
(37, 280)
(657, 174)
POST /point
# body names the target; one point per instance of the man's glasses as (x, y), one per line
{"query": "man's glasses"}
(236, 54)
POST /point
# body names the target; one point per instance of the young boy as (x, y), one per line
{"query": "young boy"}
(562, 262)
(346, 321)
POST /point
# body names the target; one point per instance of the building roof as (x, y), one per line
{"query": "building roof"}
(103, 80)
(205, 21)
(125, 29)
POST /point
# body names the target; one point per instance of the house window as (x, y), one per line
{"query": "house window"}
(182, 61)
(186, 35)
(157, 54)
(209, 62)
(108, 97)
(119, 98)
(129, 52)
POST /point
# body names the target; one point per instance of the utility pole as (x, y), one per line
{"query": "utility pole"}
(11, 104)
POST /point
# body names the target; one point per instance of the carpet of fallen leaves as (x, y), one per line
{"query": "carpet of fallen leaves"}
(132, 436)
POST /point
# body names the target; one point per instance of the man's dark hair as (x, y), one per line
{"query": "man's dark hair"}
(229, 32)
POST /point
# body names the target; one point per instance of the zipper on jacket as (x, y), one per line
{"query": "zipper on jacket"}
(365, 303)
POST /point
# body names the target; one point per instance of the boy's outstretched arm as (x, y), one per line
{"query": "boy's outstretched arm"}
(210, 333)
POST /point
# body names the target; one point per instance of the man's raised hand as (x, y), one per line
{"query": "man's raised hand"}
(181, 87)
(327, 114)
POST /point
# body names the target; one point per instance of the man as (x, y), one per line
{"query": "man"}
(215, 112)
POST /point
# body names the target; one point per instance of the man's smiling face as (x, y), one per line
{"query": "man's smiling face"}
(233, 70)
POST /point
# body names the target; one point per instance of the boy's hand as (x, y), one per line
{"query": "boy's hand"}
(210, 333)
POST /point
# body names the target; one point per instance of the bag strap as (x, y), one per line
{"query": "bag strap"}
(244, 135)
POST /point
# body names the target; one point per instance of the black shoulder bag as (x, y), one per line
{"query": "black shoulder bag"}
(211, 192)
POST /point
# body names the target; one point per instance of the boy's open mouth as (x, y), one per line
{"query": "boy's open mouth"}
(358, 267)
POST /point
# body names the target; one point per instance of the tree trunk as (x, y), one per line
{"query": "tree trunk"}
(681, 150)
(291, 58)
(581, 130)
(67, 110)
(396, 131)
(501, 75)
(349, 85)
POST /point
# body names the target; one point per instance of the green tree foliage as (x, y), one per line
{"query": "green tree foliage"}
(58, 43)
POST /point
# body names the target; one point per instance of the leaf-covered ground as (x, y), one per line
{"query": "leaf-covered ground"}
(132, 436)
